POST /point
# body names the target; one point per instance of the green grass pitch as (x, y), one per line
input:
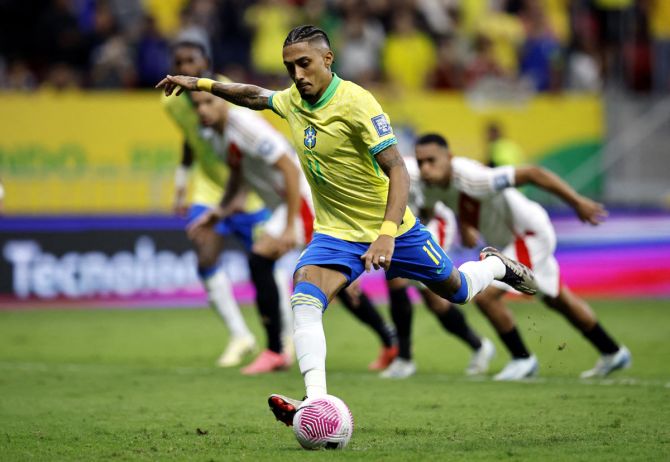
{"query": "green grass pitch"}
(141, 385)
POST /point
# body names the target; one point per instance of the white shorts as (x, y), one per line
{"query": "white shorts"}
(304, 224)
(536, 250)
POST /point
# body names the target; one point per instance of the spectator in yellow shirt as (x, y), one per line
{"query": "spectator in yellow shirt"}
(506, 33)
(409, 54)
(270, 20)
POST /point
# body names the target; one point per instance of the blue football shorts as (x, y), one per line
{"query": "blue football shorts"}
(242, 225)
(416, 256)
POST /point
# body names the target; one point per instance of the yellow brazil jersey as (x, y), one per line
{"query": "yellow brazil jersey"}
(210, 175)
(337, 140)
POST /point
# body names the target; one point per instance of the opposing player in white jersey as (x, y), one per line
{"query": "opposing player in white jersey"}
(441, 222)
(260, 159)
(488, 205)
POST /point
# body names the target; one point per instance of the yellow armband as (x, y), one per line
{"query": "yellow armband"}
(205, 84)
(388, 228)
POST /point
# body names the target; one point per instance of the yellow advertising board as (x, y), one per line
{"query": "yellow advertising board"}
(115, 152)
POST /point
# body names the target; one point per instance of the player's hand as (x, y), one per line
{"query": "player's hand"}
(379, 253)
(590, 211)
(182, 82)
(469, 235)
(203, 224)
(287, 240)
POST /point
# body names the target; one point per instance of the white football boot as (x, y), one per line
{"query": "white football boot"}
(622, 359)
(399, 369)
(479, 363)
(237, 349)
(518, 369)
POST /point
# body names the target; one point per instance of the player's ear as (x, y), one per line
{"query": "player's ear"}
(328, 58)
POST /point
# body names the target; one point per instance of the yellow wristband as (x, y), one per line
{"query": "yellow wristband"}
(204, 84)
(388, 228)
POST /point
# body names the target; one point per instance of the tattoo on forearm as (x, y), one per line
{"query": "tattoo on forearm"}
(249, 96)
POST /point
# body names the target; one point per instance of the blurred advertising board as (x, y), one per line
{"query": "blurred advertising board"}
(134, 261)
(113, 152)
(116, 260)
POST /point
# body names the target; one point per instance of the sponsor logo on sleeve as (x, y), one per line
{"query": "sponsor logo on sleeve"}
(382, 125)
(501, 181)
(265, 148)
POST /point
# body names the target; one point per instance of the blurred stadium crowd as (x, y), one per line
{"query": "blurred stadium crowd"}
(536, 45)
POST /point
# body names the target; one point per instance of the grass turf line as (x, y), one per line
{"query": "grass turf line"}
(140, 385)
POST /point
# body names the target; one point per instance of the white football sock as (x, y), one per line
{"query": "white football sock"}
(220, 291)
(496, 266)
(480, 274)
(310, 347)
(285, 311)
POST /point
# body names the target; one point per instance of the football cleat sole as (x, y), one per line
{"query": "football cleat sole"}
(517, 275)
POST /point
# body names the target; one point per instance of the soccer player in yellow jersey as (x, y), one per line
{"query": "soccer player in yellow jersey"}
(360, 186)
(190, 54)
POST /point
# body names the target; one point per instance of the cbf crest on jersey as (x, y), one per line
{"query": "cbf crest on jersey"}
(382, 125)
(310, 137)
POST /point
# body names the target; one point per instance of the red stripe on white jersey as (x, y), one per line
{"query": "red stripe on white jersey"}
(522, 253)
(441, 231)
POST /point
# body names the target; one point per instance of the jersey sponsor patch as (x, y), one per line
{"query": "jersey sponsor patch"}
(382, 125)
(501, 182)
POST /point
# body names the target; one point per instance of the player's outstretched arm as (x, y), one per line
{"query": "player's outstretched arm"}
(240, 94)
(588, 210)
(380, 251)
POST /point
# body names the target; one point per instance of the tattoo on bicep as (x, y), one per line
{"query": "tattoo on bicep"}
(389, 158)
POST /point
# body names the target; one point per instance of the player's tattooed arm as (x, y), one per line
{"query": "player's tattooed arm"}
(380, 252)
(240, 94)
(393, 165)
(251, 96)
(588, 210)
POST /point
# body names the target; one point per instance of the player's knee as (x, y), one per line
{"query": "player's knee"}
(397, 283)
(461, 295)
(306, 293)
(300, 275)
(455, 288)
(266, 247)
(207, 259)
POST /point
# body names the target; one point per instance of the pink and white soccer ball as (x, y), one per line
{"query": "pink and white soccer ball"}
(323, 422)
